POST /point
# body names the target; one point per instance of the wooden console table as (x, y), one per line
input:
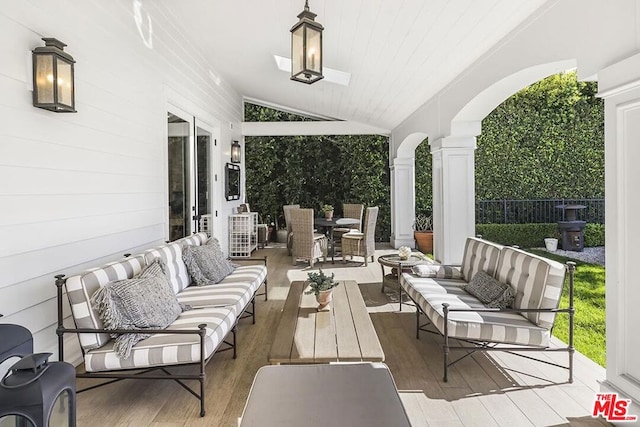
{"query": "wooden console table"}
(343, 333)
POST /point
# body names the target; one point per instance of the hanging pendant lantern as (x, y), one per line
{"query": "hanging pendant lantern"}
(306, 48)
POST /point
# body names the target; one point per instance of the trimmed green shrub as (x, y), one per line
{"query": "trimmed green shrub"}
(522, 235)
(594, 235)
(533, 235)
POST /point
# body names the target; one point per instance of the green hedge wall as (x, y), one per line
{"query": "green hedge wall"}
(594, 235)
(546, 141)
(318, 170)
(533, 235)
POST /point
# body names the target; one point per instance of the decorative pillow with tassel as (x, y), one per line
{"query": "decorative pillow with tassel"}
(146, 301)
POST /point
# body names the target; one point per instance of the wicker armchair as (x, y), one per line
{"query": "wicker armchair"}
(306, 244)
(287, 219)
(362, 244)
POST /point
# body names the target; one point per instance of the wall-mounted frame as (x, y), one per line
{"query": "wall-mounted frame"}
(232, 181)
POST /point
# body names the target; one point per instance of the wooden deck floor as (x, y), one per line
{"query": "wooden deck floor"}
(496, 390)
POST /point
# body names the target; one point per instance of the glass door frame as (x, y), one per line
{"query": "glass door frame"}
(189, 197)
(214, 173)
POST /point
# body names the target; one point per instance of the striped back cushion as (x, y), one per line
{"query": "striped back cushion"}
(195, 240)
(479, 255)
(537, 282)
(80, 288)
(171, 254)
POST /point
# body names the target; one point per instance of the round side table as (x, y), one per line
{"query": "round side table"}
(392, 280)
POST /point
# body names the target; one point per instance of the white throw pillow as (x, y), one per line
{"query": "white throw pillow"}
(436, 271)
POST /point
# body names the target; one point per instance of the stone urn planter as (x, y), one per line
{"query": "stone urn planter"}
(323, 298)
(551, 244)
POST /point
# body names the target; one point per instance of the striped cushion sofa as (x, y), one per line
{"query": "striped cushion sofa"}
(537, 283)
(192, 338)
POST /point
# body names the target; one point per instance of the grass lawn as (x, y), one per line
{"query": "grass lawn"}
(589, 303)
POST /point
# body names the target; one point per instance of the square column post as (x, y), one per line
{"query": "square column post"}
(619, 85)
(454, 211)
(403, 200)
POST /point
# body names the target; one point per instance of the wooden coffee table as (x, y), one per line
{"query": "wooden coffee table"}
(344, 333)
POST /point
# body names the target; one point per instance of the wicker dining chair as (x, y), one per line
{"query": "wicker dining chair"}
(362, 244)
(349, 210)
(287, 219)
(306, 244)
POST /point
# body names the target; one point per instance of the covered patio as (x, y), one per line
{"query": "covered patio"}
(498, 389)
(84, 188)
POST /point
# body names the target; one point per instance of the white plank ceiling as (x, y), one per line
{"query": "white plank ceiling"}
(400, 53)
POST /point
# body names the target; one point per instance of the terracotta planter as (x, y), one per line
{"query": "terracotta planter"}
(424, 240)
(323, 298)
(328, 215)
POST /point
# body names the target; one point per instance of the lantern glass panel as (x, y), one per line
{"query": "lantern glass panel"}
(61, 412)
(297, 40)
(65, 91)
(314, 50)
(44, 79)
(15, 421)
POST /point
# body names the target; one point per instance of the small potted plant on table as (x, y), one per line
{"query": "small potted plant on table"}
(328, 211)
(321, 285)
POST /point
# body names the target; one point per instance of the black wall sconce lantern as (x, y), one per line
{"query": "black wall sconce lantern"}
(235, 152)
(306, 48)
(53, 80)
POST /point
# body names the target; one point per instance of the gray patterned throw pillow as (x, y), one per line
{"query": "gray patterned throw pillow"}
(146, 301)
(489, 291)
(206, 264)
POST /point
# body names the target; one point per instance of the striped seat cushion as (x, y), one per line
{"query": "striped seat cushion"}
(169, 349)
(234, 291)
(81, 288)
(537, 282)
(509, 328)
(234, 296)
(479, 255)
(171, 254)
(255, 275)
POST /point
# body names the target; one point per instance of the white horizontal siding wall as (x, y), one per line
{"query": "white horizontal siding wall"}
(78, 190)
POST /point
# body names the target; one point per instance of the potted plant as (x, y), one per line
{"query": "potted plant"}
(423, 232)
(321, 285)
(328, 211)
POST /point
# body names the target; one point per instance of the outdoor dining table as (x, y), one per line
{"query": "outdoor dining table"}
(329, 225)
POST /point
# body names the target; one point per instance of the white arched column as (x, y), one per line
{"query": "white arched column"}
(453, 196)
(402, 201)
